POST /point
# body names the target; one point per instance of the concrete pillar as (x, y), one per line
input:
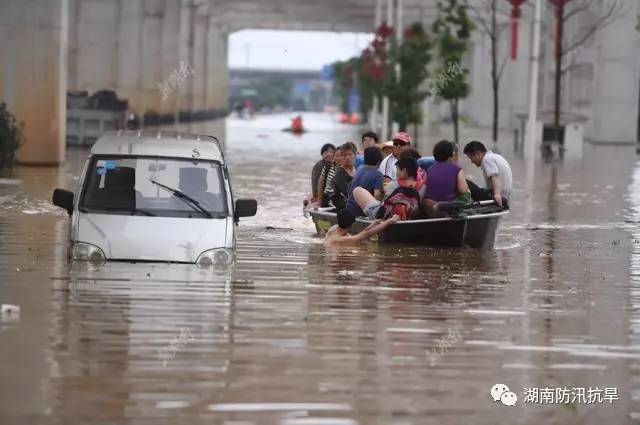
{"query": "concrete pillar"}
(187, 53)
(170, 53)
(129, 54)
(95, 40)
(152, 63)
(34, 76)
(199, 60)
(217, 67)
(617, 79)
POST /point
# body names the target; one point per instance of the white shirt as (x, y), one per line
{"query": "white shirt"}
(495, 165)
(388, 167)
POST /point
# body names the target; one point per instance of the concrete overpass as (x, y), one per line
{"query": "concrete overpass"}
(131, 46)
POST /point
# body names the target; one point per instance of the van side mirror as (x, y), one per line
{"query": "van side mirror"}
(63, 199)
(246, 208)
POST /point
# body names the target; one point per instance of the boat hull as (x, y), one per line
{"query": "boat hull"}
(476, 231)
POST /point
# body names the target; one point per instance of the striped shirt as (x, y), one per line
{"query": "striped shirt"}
(328, 181)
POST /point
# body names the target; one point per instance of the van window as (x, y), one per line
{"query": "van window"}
(168, 187)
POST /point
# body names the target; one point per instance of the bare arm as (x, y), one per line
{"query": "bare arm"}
(373, 230)
(378, 195)
(497, 188)
(496, 185)
(463, 187)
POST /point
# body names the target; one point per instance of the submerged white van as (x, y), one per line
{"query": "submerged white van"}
(154, 196)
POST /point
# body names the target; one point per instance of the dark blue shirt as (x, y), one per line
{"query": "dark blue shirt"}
(359, 161)
(367, 177)
(425, 162)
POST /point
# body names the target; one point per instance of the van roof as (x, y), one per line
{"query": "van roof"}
(158, 143)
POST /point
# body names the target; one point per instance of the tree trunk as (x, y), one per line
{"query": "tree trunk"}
(454, 118)
(494, 69)
(558, 82)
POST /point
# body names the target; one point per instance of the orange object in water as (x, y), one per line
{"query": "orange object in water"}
(354, 119)
(296, 125)
(343, 118)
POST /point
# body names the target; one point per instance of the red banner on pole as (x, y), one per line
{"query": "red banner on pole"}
(516, 13)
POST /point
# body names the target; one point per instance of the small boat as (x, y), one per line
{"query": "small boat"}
(296, 126)
(473, 225)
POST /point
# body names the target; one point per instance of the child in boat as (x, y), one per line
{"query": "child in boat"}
(402, 198)
(339, 233)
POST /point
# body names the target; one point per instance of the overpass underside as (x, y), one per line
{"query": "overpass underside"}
(137, 48)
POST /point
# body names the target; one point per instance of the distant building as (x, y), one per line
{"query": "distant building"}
(289, 89)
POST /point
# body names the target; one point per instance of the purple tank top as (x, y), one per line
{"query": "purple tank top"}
(442, 181)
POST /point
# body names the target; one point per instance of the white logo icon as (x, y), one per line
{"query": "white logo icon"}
(497, 390)
(508, 398)
(502, 393)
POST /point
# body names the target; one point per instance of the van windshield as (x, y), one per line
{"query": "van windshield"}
(152, 186)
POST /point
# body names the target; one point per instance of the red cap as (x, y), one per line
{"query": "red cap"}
(405, 137)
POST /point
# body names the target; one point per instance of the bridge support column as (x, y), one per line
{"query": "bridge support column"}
(617, 79)
(33, 80)
(217, 79)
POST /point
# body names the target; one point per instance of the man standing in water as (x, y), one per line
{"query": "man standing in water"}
(496, 171)
(339, 233)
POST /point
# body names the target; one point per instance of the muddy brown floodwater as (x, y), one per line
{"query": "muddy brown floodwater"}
(298, 334)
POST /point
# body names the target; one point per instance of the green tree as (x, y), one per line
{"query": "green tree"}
(452, 30)
(10, 137)
(404, 88)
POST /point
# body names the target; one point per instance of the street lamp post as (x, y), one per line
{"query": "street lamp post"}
(529, 149)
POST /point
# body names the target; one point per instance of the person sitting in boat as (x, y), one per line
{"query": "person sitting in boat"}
(368, 139)
(327, 151)
(403, 199)
(387, 148)
(325, 181)
(296, 125)
(446, 181)
(421, 174)
(496, 171)
(387, 167)
(367, 177)
(339, 234)
(344, 175)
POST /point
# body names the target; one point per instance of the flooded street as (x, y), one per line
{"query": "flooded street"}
(298, 334)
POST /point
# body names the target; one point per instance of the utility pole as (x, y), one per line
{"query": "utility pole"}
(375, 113)
(530, 141)
(385, 100)
(399, 34)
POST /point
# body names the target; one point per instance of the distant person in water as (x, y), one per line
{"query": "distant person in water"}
(339, 233)
(368, 139)
(496, 171)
